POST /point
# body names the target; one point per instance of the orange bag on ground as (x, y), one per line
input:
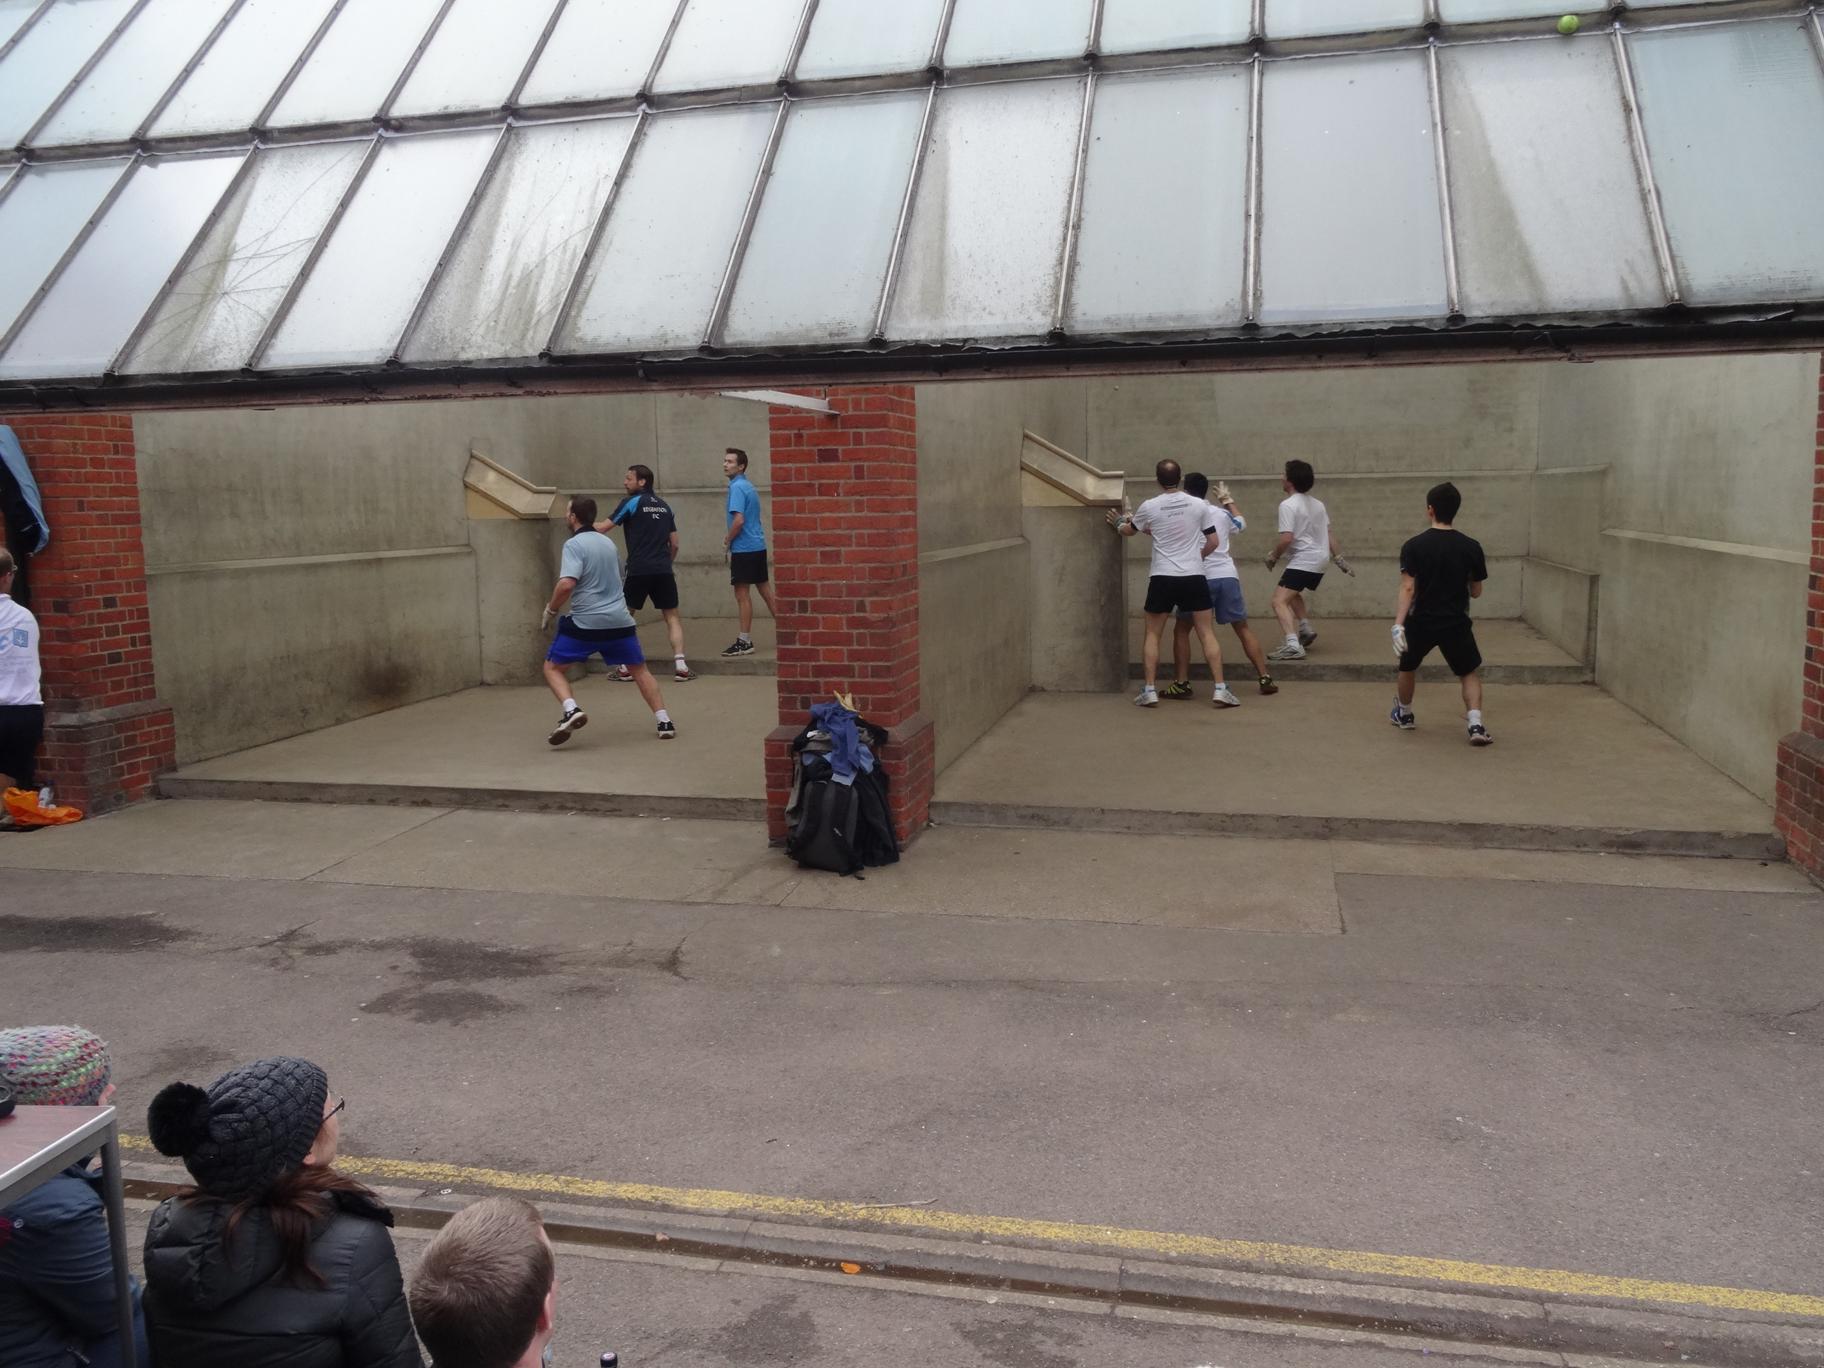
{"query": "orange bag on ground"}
(22, 807)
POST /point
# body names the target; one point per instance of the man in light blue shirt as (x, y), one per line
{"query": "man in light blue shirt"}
(598, 623)
(745, 542)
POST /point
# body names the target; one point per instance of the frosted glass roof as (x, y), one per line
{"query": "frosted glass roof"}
(221, 192)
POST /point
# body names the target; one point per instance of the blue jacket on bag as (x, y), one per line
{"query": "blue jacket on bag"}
(848, 755)
(57, 1279)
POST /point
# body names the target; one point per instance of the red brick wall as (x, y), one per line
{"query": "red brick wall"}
(1798, 807)
(844, 557)
(106, 733)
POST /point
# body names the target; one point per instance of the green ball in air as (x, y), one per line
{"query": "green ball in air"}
(1569, 25)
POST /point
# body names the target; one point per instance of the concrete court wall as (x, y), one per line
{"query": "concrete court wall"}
(974, 563)
(1704, 541)
(276, 541)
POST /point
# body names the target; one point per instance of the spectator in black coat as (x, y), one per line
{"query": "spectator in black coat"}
(274, 1258)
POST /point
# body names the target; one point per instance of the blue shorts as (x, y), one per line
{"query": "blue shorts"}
(1226, 600)
(615, 645)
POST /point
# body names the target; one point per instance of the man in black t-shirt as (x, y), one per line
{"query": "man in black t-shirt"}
(1441, 570)
(651, 531)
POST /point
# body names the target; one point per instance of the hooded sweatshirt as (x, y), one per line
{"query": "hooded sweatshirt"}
(215, 1300)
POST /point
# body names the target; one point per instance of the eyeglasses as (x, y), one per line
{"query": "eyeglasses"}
(341, 1102)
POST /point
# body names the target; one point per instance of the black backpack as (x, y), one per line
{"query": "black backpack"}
(823, 836)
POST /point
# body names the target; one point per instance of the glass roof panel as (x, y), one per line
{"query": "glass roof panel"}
(1549, 212)
(50, 54)
(115, 98)
(87, 316)
(217, 308)
(1309, 18)
(1354, 132)
(987, 233)
(983, 31)
(1477, 11)
(1733, 115)
(476, 57)
(723, 43)
(861, 37)
(1164, 203)
(360, 293)
(818, 255)
(1150, 25)
(39, 219)
(652, 282)
(242, 69)
(500, 295)
(600, 50)
(13, 14)
(354, 68)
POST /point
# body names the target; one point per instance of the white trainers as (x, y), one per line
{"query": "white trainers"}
(1147, 698)
(1224, 697)
(1287, 652)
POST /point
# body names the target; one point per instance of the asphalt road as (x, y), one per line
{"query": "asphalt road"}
(1621, 1081)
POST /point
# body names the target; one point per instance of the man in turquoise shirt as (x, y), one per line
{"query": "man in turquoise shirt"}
(745, 541)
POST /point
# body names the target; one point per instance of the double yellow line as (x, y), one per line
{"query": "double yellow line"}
(1285, 1258)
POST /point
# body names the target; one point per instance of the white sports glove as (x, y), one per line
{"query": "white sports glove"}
(1399, 640)
(1343, 565)
(1222, 493)
(545, 620)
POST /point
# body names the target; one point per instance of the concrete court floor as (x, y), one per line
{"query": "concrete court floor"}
(1365, 642)
(1564, 755)
(1508, 1061)
(656, 1309)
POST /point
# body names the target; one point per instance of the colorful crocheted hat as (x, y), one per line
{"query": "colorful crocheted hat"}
(55, 1066)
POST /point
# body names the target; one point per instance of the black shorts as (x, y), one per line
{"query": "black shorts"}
(747, 567)
(1177, 594)
(21, 730)
(661, 589)
(1299, 581)
(1456, 640)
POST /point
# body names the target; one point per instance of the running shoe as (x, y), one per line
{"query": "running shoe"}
(1178, 688)
(1402, 718)
(1224, 697)
(574, 720)
(684, 672)
(1147, 698)
(1267, 686)
(1478, 735)
(622, 675)
(737, 648)
(667, 732)
(1306, 635)
(1287, 652)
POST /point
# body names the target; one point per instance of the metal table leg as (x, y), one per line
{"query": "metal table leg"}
(117, 1243)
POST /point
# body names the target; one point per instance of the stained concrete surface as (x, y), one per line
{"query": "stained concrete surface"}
(1507, 644)
(495, 739)
(1564, 755)
(1609, 1079)
(697, 1313)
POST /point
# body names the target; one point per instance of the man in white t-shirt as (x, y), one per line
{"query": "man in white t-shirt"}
(1307, 545)
(21, 703)
(1183, 530)
(1227, 607)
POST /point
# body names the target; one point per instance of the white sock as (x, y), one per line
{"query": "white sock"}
(746, 637)
(1475, 717)
(678, 660)
(1401, 707)
(569, 706)
(662, 715)
(1304, 624)
(1291, 638)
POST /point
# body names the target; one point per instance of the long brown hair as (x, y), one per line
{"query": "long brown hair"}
(295, 1204)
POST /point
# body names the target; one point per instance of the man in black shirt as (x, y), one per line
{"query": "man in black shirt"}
(1441, 570)
(651, 531)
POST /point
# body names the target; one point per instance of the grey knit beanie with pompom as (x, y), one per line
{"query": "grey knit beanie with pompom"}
(245, 1131)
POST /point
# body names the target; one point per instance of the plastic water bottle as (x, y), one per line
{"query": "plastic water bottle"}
(611, 1359)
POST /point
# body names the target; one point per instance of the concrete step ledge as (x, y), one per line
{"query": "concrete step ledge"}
(1373, 672)
(1729, 845)
(1434, 1311)
(432, 795)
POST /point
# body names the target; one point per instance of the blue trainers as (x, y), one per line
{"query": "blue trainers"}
(1402, 718)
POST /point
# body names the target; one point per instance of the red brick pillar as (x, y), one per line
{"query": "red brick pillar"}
(1798, 805)
(845, 572)
(106, 733)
